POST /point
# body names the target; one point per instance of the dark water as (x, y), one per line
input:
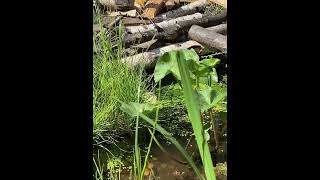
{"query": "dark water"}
(163, 166)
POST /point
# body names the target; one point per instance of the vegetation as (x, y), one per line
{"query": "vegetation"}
(134, 112)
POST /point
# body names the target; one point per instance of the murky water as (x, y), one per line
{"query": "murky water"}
(173, 167)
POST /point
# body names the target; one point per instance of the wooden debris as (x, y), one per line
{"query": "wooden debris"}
(143, 47)
(115, 21)
(130, 21)
(168, 35)
(131, 13)
(127, 21)
(146, 45)
(181, 22)
(207, 37)
(182, 11)
(117, 4)
(148, 59)
(153, 8)
(221, 29)
(140, 3)
(222, 3)
(170, 4)
(135, 38)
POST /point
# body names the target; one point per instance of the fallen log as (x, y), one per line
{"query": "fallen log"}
(153, 8)
(181, 23)
(182, 11)
(117, 4)
(148, 59)
(168, 34)
(209, 38)
(221, 29)
(138, 38)
(143, 47)
(130, 21)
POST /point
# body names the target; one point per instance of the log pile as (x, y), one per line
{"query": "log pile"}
(154, 27)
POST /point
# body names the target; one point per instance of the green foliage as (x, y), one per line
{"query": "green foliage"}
(112, 80)
(221, 168)
(130, 109)
(214, 9)
(194, 115)
(192, 73)
(114, 168)
(167, 64)
(209, 97)
(199, 71)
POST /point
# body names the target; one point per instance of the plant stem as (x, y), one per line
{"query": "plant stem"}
(136, 145)
(215, 129)
(152, 135)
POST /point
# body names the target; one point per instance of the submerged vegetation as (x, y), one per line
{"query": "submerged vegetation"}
(136, 116)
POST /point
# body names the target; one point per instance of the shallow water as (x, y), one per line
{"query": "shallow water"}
(162, 166)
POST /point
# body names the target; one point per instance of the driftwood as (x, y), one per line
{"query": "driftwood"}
(117, 4)
(182, 11)
(153, 8)
(183, 22)
(207, 37)
(148, 59)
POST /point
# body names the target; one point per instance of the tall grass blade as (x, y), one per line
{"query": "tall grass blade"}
(194, 115)
(152, 135)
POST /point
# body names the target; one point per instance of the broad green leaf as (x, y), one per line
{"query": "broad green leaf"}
(133, 108)
(210, 77)
(209, 97)
(167, 63)
(205, 67)
(211, 62)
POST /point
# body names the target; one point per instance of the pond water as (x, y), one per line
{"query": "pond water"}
(173, 166)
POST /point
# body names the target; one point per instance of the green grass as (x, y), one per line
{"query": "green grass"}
(112, 80)
(214, 9)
